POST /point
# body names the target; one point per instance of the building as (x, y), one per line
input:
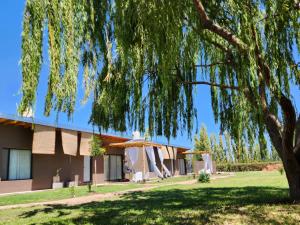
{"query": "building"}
(34, 156)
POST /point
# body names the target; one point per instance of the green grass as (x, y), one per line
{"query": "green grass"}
(247, 198)
(50, 195)
(170, 180)
(64, 193)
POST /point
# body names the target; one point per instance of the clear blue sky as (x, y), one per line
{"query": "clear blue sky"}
(10, 83)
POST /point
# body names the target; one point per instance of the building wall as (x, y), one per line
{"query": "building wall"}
(199, 165)
(15, 137)
(12, 137)
(44, 167)
(98, 170)
(99, 177)
(15, 186)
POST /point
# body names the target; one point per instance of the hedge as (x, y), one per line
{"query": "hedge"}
(236, 167)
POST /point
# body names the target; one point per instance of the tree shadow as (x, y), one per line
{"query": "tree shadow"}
(58, 208)
(177, 206)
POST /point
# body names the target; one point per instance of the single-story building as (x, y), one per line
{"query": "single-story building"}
(206, 165)
(33, 154)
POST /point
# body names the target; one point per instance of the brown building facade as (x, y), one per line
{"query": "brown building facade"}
(22, 169)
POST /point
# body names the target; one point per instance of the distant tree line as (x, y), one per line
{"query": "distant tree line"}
(225, 150)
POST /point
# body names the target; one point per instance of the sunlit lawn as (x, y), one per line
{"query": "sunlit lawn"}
(58, 194)
(171, 179)
(247, 198)
(64, 193)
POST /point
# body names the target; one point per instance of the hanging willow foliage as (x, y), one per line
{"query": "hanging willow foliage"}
(32, 35)
(141, 57)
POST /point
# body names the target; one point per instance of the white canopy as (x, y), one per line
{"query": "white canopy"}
(151, 155)
(133, 154)
(161, 157)
(208, 166)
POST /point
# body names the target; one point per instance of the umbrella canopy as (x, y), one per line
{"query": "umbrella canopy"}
(134, 143)
(196, 153)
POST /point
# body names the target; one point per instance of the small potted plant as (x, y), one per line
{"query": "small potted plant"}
(56, 183)
(56, 178)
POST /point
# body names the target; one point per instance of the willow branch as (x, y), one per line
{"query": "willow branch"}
(289, 120)
(208, 24)
(285, 103)
(213, 64)
(295, 65)
(222, 86)
(267, 17)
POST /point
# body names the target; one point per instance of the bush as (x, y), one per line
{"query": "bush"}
(204, 177)
(89, 186)
(72, 191)
(238, 167)
(281, 170)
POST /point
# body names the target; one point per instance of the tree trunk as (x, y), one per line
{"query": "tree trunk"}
(292, 170)
(293, 177)
(95, 160)
(288, 157)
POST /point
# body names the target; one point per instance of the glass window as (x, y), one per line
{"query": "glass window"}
(19, 164)
(182, 167)
(113, 167)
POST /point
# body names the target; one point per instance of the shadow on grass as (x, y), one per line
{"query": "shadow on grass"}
(175, 206)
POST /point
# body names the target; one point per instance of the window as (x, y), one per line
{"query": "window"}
(113, 167)
(16, 164)
(182, 167)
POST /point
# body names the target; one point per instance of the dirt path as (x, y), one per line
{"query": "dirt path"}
(101, 197)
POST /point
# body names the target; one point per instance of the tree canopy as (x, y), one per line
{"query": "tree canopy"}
(202, 143)
(232, 152)
(141, 60)
(138, 58)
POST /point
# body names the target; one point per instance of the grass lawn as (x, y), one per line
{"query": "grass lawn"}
(50, 195)
(170, 180)
(63, 193)
(247, 198)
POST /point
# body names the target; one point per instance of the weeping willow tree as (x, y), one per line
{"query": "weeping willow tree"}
(141, 61)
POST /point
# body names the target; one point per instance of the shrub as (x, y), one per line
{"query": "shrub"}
(281, 170)
(89, 186)
(204, 177)
(239, 167)
(72, 191)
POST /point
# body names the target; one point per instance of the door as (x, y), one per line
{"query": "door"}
(113, 167)
(87, 169)
(182, 167)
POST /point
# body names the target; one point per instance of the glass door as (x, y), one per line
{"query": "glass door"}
(113, 167)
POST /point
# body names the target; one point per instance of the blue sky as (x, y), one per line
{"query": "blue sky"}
(10, 83)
